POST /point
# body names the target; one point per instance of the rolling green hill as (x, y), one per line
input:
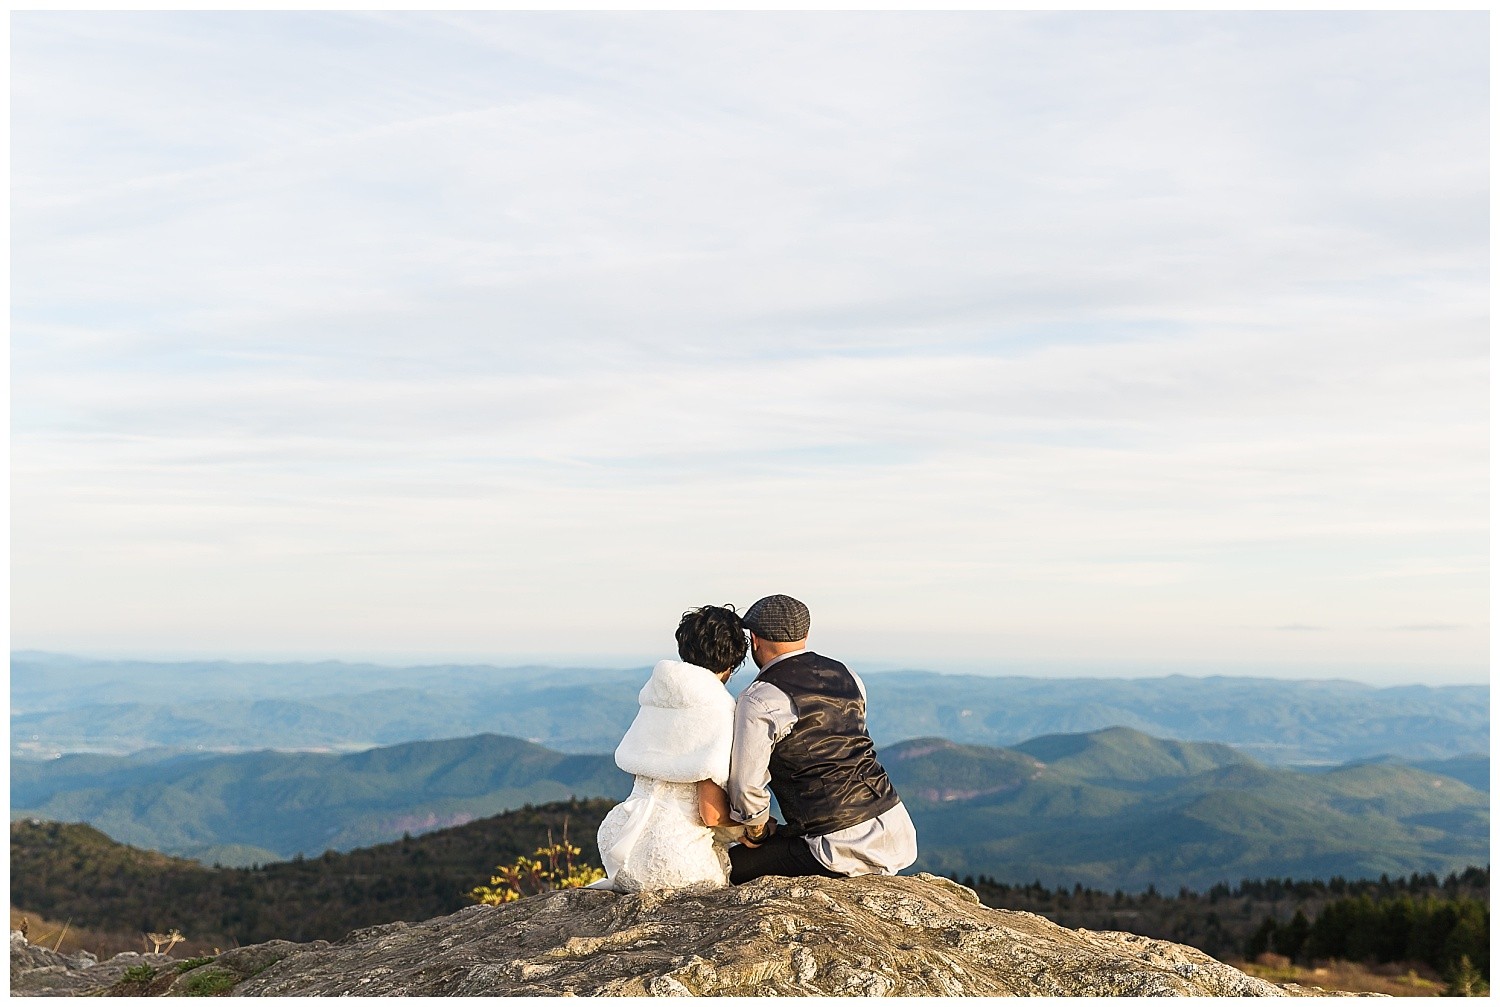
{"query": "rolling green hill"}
(1112, 809)
(1120, 809)
(1123, 755)
(935, 770)
(272, 805)
(1471, 769)
(75, 872)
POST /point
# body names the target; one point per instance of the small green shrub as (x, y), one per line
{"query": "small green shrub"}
(1464, 980)
(552, 869)
(139, 974)
(208, 981)
(187, 965)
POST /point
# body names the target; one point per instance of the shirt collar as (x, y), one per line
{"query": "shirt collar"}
(783, 657)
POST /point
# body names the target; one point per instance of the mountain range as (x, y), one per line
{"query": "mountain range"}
(65, 704)
(1114, 808)
(259, 807)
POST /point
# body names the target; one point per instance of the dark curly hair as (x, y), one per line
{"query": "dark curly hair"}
(712, 637)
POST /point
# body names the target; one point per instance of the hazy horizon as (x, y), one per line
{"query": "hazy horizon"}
(1120, 340)
(1377, 676)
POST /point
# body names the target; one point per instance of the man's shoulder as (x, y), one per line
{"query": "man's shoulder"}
(763, 693)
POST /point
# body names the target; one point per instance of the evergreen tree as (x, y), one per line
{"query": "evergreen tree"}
(1464, 980)
(1288, 940)
(1260, 941)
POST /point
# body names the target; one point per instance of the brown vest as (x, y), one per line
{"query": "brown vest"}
(824, 772)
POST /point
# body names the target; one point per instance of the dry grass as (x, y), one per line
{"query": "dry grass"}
(1396, 979)
(62, 935)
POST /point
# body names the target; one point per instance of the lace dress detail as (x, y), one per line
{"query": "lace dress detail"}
(656, 839)
(681, 734)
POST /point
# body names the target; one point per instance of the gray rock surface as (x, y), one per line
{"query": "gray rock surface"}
(869, 936)
(233, 967)
(41, 972)
(874, 936)
(38, 971)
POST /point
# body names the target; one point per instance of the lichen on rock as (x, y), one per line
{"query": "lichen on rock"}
(40, 971)
(871, 936)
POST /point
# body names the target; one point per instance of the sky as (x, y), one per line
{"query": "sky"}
(1038, 343)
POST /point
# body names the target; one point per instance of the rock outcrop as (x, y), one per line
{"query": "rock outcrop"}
(40, 972)
(37, 971)
(874, 936)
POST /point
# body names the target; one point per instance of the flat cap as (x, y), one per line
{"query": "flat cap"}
(779, 618)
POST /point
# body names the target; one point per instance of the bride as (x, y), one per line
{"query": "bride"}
(672, 830)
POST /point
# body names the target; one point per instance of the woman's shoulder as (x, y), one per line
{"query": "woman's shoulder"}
(679, 685)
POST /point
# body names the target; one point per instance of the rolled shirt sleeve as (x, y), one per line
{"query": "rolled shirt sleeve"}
(762, 716)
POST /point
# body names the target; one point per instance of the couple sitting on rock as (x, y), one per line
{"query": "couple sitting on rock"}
(700, 812)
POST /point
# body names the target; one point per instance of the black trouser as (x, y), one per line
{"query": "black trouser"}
(787, 856)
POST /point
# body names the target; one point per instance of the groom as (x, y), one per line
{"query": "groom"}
(799, 728)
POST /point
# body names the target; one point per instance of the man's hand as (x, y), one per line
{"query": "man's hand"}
(757, 834)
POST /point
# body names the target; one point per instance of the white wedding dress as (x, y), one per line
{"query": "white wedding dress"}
(682, 734)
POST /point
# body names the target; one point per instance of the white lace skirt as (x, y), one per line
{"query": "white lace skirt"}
(655, 839)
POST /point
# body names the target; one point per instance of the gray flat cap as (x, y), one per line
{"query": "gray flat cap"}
(779, 618)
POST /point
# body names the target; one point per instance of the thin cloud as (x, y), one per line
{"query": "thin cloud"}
(1429, 627)
(1081, 328)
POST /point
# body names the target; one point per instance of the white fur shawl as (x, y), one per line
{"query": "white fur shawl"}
(684, 729)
